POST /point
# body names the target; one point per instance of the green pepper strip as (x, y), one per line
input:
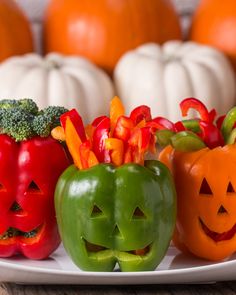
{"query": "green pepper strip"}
(186, 141)
(232, 137)
(192, 125)
(163, 137)
(228, 124)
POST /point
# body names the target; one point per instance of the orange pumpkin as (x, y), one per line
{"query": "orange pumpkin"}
(103, 30)
(206, 200)
(214, 23)
(15, 34)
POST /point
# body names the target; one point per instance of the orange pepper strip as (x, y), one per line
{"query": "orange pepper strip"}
(141, 124)
(58, 133)
(116, 110)
(116, 146)
(128, 157)
(89, 129)
(92, 160)
(73, 142)
(88, 158)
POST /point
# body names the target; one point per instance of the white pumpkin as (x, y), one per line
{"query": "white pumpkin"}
(72, 82)
(161, 76)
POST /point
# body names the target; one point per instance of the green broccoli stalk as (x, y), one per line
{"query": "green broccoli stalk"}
(22, 120)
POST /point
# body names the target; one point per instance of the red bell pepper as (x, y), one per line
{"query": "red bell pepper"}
(28, 175)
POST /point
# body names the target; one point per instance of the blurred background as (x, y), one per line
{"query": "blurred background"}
(152, 52)
(34, 9)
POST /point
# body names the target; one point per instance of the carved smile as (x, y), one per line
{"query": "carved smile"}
(14, 232)
(93, 248)
(217, 237)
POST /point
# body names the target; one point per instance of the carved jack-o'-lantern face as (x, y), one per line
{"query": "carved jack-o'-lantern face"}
(28, 174)
(108, 215)
(206, 200)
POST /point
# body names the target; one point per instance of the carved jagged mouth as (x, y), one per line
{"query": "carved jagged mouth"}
(13, 232)
(93, 248)
(217, 237)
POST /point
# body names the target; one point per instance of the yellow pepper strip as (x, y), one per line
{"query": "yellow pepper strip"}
(116, 146)
(73, 142)
(58, 133)
(116, 110)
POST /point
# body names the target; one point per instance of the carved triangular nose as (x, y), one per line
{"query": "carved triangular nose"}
(222, 210)
(116, 232)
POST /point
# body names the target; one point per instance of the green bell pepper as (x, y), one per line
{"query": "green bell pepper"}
(108, 215)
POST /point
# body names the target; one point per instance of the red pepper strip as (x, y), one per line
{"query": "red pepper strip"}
(76, 121)
(98, 120)
(160, 123)
(100, 134)
(140, 113)
(219, 121)
(89, 129)
(140, 138)
(179, 126)
(212, 115)
(123, 128)
(197, 105)
(138, 157)
(211, 135)
(152, 144)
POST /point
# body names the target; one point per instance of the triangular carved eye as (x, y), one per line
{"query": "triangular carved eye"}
(230, 188)
(205, 188)
(15, 207)
(96, 211)
(138, 214)
(33, 188)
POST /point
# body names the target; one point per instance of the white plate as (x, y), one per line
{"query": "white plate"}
(175, 268)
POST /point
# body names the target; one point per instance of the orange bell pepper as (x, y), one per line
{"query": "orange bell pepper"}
(205, 182)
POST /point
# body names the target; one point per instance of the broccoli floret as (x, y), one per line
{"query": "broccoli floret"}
(8, 103)
(16, 123)
(54, 114)
(47, 119)
(26, 104)
(22, 120)
(29, 106)
(42, 125)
